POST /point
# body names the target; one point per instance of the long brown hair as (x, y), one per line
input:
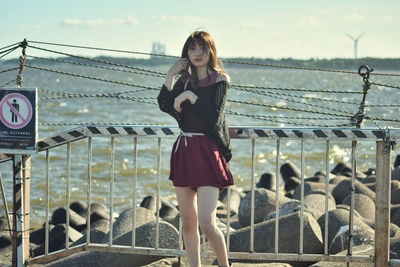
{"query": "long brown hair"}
(205, 40)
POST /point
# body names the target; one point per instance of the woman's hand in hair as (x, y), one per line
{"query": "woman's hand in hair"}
(181, 64)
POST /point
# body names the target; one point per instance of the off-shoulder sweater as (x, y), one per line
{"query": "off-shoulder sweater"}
(209, 108)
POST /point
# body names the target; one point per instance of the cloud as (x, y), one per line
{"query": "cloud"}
(276, 35)
(310, 21)
(355, 17)
(34, 28)
(252, 24)
(388, 18)
(68, 22)
(176, 18)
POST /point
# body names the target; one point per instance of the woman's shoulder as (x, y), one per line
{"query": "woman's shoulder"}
(223, 76)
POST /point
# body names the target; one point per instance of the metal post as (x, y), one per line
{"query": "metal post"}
(21, 240)
(278, 152)
(68, 194)
(112, 177)
(158, 193)
(89, 189)
(3, 194)
(382, 204)
(253, 159)
(26, 186)
(326, 198)
(301, 241)
(134, 185)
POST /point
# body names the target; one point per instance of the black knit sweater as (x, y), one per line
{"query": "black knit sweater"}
(209, 108)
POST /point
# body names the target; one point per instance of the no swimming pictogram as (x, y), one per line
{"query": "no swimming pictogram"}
(18, 120)
(15, 111)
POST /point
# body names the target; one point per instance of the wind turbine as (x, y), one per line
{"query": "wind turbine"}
(355, 42)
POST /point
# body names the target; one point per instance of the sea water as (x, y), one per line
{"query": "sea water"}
(93, 110)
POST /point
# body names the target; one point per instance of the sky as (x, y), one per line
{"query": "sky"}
(299, 29)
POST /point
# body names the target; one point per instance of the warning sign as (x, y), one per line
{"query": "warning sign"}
(18, 117)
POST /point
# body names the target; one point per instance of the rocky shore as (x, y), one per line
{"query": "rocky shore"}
(264, 228)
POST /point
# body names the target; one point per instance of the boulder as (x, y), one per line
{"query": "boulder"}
(341, 167)
(395, 248)
(338, 221)
(397, 161)
(96, 236)
(337, 179)
(316, 200)
(292, 183)
(235, 197)
(369, 179)
(395, 214)
(123, 223)
(145, 237)
(363, 205)
(343, 189)
(288, 169)
(75, 220)
(361, 236)
(289, 227)
(286, 208)
(79, 207)
(38, 236)
(318, 177)
(149, 202)
(310, 187)
(267, 181)
(168, 210)
(57, 238)
(264, 203)
(396, 173)
(395, 196)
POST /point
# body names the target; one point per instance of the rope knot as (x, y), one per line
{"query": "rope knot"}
(22, 63)
(359, 117)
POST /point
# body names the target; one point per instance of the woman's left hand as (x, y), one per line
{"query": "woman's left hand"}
(187, 95)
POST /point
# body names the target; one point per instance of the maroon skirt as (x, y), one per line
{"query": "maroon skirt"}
(198, 161)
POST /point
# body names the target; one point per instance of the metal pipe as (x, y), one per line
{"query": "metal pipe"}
(228, 218)
(277, 186)
(68, 194)
(89, 188)
(46, 242)
(112, 173)
(134, 192)
(353, 177)
(3, 195)
(326, 198)
(301, 241)
(253, 159)
(158, 193)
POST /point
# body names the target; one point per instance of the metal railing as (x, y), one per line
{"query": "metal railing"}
(383, 172)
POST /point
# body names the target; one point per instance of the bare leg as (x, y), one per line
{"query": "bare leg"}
(188, 211)
(207, 202)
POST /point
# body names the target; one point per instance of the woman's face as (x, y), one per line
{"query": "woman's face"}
(199, 55)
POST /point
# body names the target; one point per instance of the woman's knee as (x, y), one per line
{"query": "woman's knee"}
(189, 223)
(208, 227)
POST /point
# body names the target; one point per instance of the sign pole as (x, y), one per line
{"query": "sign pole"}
(18, 218)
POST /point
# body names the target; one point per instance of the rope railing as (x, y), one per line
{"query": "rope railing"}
(140, 71)
(97, 60)
(223, 60)
(91, 77)
(273, 92)
(8, 51)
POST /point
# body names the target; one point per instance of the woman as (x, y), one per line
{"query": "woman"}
(200, 154)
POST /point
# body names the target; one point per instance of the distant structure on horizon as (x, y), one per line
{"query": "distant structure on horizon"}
(157, 48)
(355, 42)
